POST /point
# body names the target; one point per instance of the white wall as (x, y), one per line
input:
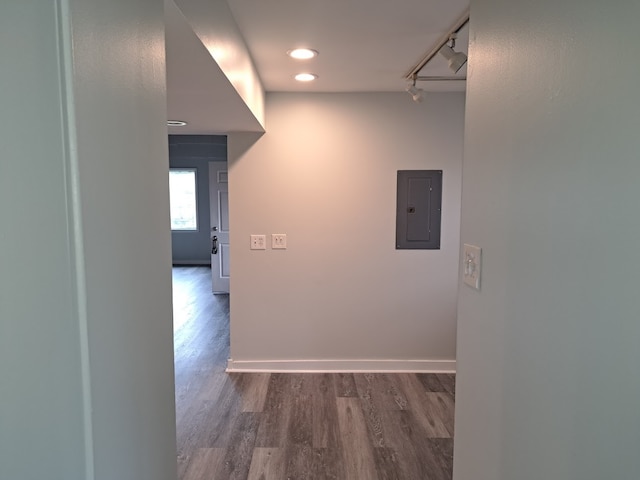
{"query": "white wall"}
(41, 399)
(325, 174)
(86, 363)
(120, 105)
(214, 24)
(548, 352)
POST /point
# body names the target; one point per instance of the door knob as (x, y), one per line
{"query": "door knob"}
(214, 245)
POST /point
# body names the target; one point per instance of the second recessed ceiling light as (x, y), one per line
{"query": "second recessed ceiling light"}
(302, 53)
(306, 77)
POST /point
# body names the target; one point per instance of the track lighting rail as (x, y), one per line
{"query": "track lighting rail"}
(412, 74)
(421, 78)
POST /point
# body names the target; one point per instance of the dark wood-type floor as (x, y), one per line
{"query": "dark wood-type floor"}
(297, 426)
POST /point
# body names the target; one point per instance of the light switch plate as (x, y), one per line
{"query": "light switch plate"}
(258, 242)
(471, 265)
(279, 241)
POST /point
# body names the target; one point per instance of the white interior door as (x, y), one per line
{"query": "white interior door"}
(219, 212)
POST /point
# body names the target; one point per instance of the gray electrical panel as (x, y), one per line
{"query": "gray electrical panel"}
(419, 207)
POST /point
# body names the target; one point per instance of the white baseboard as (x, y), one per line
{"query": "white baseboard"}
(328, 366)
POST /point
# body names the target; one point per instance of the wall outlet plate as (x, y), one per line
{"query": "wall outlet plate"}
(278, 241)
(471, 265)
(258, 242)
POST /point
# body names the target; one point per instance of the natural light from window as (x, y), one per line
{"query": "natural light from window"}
(182, 195)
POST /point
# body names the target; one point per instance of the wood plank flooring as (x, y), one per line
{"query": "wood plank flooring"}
(262, 426)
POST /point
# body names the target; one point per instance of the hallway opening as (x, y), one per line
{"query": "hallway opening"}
(272, 426)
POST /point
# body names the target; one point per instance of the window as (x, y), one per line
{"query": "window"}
(182, 195)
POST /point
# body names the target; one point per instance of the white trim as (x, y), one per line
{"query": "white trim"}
(365, 366)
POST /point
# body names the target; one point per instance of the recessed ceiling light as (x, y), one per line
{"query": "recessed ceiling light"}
(306, 77)
(302, 53)
(176, 123)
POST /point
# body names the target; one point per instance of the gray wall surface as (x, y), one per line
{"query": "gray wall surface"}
(42, 391)
(548, 384)
(325, 174)
(86, 357)
(196, 151)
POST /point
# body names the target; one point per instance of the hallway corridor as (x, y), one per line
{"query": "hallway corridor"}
(276, 426)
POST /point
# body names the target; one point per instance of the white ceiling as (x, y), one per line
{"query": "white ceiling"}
(364, 45)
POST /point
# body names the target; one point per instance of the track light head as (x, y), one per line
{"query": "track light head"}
(456, 59)
(417, 94)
